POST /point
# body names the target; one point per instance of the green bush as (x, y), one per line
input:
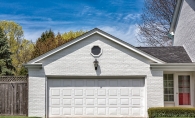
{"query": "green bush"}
(160, 112)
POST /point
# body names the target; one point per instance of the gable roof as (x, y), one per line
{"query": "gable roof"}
(173, 54)
(89, 33)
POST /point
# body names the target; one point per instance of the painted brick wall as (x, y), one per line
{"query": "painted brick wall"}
(115, 60)
(185, 30)
(36, 98)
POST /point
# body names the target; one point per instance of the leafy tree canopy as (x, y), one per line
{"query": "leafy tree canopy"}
(20, 48)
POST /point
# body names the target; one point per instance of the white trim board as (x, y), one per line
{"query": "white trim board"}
(173, 66)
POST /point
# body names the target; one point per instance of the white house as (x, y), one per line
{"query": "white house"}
(99, 75)
(183, 26)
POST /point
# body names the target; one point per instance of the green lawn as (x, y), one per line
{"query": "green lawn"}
(17, 117)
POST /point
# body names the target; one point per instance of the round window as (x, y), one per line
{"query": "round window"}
(96, 51)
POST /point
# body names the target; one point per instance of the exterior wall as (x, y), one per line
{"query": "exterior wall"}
(76, 60)
(185, 30)
(36, 98)
(155, 90)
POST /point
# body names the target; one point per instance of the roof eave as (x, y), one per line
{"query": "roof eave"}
(33, 66)
(173, 66)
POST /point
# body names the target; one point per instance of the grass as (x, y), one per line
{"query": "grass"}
(17, 117)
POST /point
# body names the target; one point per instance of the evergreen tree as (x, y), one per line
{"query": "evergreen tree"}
(6, 67)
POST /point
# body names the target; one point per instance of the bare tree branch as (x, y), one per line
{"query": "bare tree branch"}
(156, 21)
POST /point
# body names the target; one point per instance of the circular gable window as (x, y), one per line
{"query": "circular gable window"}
(96, 51)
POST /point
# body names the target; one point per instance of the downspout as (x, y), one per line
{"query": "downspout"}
(175, 19)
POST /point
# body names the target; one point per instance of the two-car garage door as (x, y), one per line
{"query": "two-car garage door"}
(96, 97)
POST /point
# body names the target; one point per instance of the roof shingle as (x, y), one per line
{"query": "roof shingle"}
(173, 54)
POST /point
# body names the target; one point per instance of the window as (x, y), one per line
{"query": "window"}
(168, 87)
(96, 51)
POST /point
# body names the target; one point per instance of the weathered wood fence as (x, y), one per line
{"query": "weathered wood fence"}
(13, 95)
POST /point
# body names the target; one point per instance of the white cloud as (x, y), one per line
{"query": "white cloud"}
(126, 34)
(131, 16)
(32, 35)
(34, 26)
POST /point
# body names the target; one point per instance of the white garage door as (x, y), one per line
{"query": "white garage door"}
(96, 97)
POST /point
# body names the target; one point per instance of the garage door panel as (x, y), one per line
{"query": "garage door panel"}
(66, 111)
(55, 92)
(101, 92)
(78, 111)
(124, 111)
(78, 92)
(55, 111)
(101, 111)
(113, 111)
(112, 92)
(90, 111)
(90, 101)
(124, 101)
(96, 97)
(67, 101)
(67, 92)
(90, 92)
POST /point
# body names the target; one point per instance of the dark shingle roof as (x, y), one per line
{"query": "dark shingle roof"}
(173, 54)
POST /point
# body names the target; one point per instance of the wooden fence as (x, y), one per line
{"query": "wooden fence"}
(13, 95)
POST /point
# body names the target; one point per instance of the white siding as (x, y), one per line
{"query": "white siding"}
(185, 30)
(36, 100)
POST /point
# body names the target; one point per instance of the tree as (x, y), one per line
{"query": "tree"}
(20, 48)
(44, 44)
(49, 41)
(156, 21)
(25, 50)
(6, 67)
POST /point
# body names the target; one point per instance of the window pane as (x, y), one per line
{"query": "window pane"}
(170, 90)
(171, 98)
(165, 90)
(165, 83)
(165, 76)
(170, 76)
(96, 50)
(170, 84)
(166, 98)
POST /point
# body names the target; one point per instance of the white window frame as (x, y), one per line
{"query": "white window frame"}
(168, 87)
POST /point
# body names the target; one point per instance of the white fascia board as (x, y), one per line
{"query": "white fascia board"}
(173, 66)
(133, 49)
(36, 65)
(89, 34)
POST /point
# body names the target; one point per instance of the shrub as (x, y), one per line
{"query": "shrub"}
(182, 112)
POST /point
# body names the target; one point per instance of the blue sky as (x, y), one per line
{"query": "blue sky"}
(117, 17)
